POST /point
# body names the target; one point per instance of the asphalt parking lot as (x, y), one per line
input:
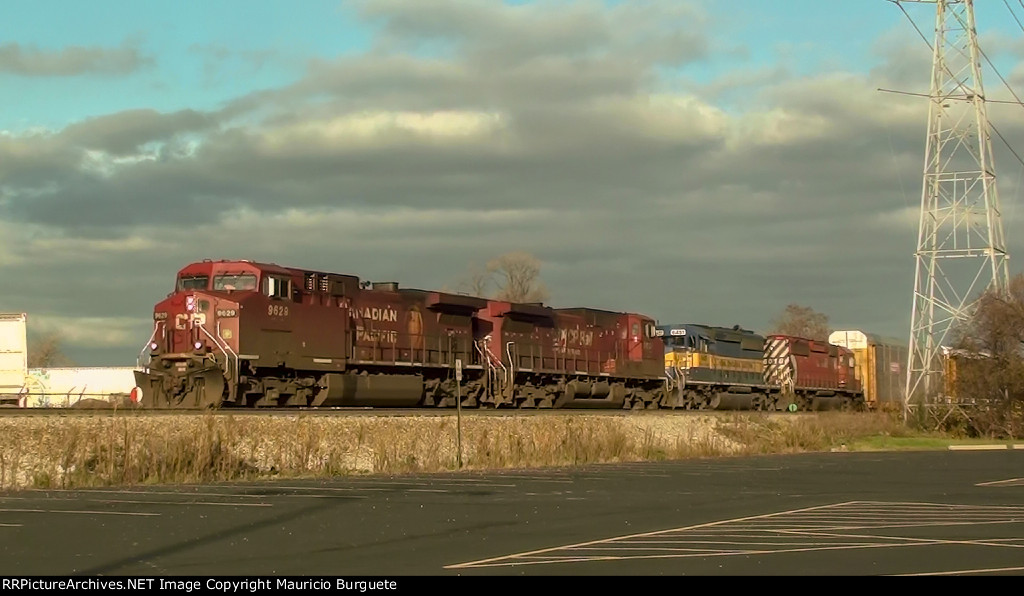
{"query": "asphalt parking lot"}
(921, 513)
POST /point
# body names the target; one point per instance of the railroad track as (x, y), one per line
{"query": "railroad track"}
(353, 411)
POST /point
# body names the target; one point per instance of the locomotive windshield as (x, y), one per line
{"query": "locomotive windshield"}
(244, 281)
(193, 282)
(678, 341)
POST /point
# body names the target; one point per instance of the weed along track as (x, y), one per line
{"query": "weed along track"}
(100, 449)
(111, 412)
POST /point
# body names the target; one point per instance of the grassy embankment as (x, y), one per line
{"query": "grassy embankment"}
(138, 449)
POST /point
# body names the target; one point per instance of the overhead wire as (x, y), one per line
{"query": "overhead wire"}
(961, 86)
(1010, 8)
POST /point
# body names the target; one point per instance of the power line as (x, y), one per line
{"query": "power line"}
(992, 126)
(1010, 8)
(897, 91)
(945, 67)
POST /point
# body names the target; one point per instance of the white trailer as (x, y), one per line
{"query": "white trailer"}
(13, 357)
(67, 387)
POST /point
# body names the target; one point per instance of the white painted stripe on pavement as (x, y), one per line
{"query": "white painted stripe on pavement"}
(76, 511)
(967, 571)
(185, 503)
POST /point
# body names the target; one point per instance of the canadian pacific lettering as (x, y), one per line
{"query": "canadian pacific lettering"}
(577, 336)
(376, 314)
(380, 314)
(381, 335)
(570, 341)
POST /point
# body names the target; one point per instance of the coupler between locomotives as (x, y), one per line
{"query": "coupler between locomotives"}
(180, 381)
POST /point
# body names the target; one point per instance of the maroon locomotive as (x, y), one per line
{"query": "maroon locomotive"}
(812, 374)
(239, 333)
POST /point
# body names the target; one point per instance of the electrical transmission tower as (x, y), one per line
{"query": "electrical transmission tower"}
(961, 250)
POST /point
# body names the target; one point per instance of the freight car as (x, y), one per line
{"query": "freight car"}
(957, 363)
(733, 368)
(881, 366)
(241, 333)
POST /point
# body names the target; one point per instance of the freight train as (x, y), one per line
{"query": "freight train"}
(733, 368)
(247, 334)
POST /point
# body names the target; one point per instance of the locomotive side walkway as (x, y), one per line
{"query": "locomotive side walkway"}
(942, 512)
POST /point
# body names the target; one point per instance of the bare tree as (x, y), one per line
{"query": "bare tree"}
(987, 365)
(802, 321)
(518, 277)
(513, 276)
(45, 351)
(477, 282)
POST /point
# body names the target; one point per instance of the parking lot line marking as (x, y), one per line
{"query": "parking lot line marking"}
(186, 503)
(84, 492)
(863, 526)
(135, 513)
(998, 482)
(966, 571)
(484, 562)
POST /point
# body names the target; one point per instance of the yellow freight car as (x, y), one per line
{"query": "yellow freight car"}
(881, 365)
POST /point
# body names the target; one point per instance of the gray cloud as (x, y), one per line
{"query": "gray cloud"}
(72, 60)
(548, 128)
(125, 132)
(497, 34)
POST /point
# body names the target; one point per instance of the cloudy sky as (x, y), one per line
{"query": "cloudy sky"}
(695, 161)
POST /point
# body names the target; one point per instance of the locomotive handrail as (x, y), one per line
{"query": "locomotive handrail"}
(492, 360)
(149, 342)
(225, 348)
(510, 385)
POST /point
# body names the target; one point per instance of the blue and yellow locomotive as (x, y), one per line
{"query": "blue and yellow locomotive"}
(713, 367)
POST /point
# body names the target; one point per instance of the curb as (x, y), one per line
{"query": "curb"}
(985, 447)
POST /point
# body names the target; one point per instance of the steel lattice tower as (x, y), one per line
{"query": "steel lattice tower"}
(961, 250)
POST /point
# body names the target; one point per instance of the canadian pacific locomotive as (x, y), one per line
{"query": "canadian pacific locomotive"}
(251, 334)
(240, 333)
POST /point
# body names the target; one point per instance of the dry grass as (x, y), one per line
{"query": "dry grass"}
(822, 432)
(139, 449)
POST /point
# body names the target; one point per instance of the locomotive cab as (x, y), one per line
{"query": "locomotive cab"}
(193, 351)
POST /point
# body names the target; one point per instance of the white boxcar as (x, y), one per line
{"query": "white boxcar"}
(13, 356)
(64, 387)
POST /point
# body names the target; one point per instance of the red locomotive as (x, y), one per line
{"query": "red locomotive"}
(815, 374)
(239, 333)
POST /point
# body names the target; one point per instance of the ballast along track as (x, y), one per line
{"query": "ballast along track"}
(350, 412)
